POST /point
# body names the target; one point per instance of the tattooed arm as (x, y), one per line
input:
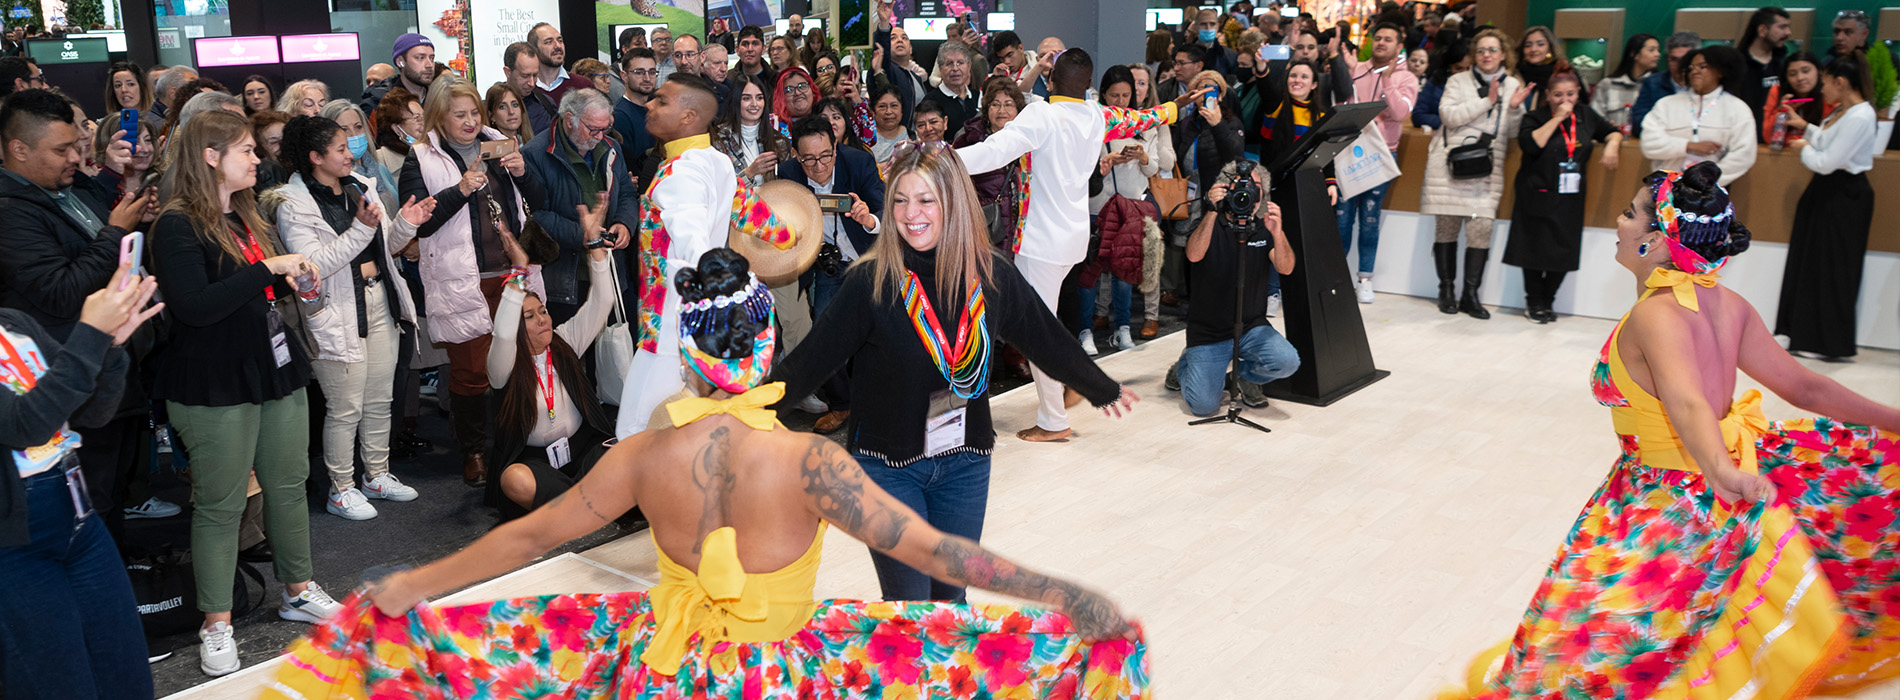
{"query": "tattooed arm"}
(838, 490)
(605, 493)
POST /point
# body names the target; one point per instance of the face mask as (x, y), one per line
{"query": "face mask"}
(359, 145)
(1207, 35)
(406, 138)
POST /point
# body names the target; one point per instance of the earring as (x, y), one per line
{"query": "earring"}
(1642, 251)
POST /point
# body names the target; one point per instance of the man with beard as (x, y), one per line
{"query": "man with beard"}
(752, 61)
(551, 51)
(519, 67)
(414, 57)
(576, 162)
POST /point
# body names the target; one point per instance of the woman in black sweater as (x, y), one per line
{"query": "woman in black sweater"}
(233, 376)
(68, 623)
(923, 432)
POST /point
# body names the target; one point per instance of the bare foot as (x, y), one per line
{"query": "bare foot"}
(1037, 434)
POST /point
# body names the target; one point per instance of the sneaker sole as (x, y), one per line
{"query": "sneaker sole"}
(130, 515)
(393, 499)
(339, 512)
(297, 615)
(214, 672)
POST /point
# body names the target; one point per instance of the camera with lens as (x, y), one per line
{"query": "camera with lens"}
(1243, 197)
(830, 260)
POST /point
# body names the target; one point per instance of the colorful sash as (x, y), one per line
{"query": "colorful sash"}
(966, 365)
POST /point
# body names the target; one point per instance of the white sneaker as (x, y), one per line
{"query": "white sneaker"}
(1123, 339)
(386, 487)
(351, 505)
(1088, 342)
(217, 650)
(813, 405)
(1365, 290)
(312, 605)
(1273, 306)
(153, 508)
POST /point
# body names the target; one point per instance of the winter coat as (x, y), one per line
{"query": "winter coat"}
(1123, 223)
(451, 270)
(50, 265)
(1467, 116)
(557, 215)
(301, 224)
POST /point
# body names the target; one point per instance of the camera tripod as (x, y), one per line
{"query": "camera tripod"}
(1239, 228)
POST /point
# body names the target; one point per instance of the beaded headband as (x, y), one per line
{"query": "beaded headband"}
(735, 375)
(1681, 229)
(698, 317)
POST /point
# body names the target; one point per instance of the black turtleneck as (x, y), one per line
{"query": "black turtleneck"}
(892, 377)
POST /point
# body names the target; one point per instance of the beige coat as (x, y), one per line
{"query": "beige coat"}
(1467, 116)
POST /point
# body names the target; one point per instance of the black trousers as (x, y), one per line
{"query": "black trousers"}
(108, 455)
(1540, 287)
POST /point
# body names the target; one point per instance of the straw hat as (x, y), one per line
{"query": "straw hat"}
(797, 208)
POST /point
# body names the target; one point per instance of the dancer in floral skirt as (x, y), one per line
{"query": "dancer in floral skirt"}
(1725, 556)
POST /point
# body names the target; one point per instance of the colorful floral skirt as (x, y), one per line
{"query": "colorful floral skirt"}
(1660, 591)
(588, 646)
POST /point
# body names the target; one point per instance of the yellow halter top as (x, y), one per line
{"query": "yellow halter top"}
(1644, 417)
(721, 602)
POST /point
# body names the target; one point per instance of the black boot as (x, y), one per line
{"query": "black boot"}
(469, 423)
(1475, 259)
(1445, 258)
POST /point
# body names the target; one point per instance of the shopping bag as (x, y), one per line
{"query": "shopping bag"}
(613, 350)
(1367, 164)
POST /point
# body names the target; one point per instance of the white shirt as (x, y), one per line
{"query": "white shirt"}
(559, 78)
(578, 332)
(1684, 117)
(1064, 140)
(1847, 144)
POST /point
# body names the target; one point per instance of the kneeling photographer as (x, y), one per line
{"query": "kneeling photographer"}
(1236, 226)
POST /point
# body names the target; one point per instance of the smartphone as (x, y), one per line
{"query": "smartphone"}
(129, 123)
(131, 250)
(1275, 52)
(834, 203)
(495, 150)
(1211, 100)
(1130, 148)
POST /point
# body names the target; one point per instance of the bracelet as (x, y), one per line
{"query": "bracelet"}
(516, 274)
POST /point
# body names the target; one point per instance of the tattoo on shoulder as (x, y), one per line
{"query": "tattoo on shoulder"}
(712, 473)
(836, 483)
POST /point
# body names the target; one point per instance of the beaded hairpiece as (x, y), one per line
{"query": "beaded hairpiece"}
(699, 317)
(1681, 229)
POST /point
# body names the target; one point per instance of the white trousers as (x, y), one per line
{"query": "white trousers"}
(653, 376)
(1047, 279)
(359, 395)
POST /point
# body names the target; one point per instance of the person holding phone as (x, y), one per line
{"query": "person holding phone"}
(575, 161)
(326, 217)
(69, 626)
(463, 261)
(234, 376)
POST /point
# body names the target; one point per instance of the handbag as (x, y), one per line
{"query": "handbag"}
(534, 240)
(1171, 195)
(613, 350)
(1472, 159)
(165, 591)
(1367, 164)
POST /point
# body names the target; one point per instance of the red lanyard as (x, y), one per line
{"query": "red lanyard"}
(1570, 135)
(15, 365)
(547, 387)
(254, 254)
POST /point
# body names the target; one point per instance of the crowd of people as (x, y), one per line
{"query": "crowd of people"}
(432, 236)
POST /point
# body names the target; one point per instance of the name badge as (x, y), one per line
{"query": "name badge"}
(558, 454)
(944, 427)
(279, 340)
(1569, 177)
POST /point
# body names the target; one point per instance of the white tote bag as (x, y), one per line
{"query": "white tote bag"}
(613, 351)
(1367, 164)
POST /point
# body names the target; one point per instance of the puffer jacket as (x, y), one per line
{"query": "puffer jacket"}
(1466, 117)
(451, 271)
(1123, 223)
(304, 230)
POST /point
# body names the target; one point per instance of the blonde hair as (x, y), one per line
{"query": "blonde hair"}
(1208, 76)
(287, 102)
(1506, 49)
(1149, 100)
(963, 242)
(442, 94)
(194, 183)
(1250, 41)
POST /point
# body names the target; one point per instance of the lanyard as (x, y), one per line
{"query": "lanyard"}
(254, 254)
(1570, 136)
(968, 368)
(547, 386)
(18, 373)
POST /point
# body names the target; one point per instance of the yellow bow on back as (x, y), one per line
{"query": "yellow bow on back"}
(705, 603)
(749, 407)
(1682, 283)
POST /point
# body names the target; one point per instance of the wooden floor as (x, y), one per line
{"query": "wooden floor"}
(1360, 551)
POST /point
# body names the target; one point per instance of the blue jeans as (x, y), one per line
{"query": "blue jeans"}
(68, 625)
(1120, 295)
(823, 288)
(952, 493)
(1367, 209)
(1264, 357)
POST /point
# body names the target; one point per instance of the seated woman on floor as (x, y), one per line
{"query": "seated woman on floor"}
(550, 428)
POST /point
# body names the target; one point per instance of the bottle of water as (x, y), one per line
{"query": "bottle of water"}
(1779, 137)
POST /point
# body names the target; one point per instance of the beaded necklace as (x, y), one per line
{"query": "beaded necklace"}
(966, 365)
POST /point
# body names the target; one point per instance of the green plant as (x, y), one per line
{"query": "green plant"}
(1886, 81)
(83, 14)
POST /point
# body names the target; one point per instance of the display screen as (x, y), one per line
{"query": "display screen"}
(1001, 21)
(235, 51)
(311, 48)
(1164, 15)
(67, 50)
(115, 38)
(781, 25)
(928, 28)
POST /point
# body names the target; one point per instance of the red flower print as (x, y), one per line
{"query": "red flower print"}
(1839, 480)
(1016, 623)
(1868, 520)
(524, 640)
(854, 677)
(1066, 687)
(1788, 484)
(1108, 656)
(1001, 657)
(466, 620)
(944, 626)
(567, 624)
(1682, 592)
(1824, 523)
(1644, 673)
(962, 686)
(1653, 574)
(895, 650)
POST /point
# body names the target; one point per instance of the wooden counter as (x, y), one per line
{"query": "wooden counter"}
(1764, 199)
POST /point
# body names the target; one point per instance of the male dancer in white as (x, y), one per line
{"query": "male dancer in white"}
(1060, 142)
(684, 213)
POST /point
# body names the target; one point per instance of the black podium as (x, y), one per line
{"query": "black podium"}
(1320, 314)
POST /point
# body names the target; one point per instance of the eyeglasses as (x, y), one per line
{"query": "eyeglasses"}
(596, 76)
(1488, 49)
(798, 89)
(815, 161)
(593, 132)
(645, 73)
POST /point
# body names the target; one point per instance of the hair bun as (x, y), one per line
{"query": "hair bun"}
(721, 272)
